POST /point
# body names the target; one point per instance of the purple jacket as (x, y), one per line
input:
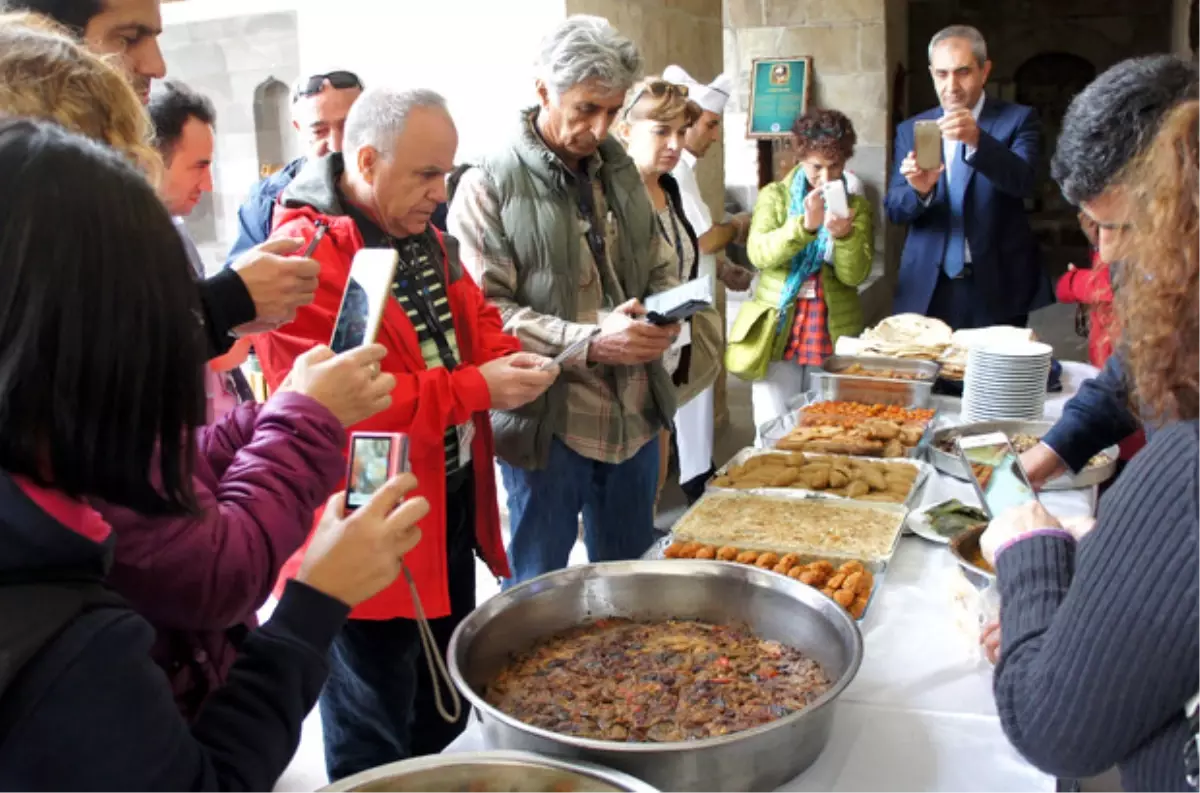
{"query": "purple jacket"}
(260, 474)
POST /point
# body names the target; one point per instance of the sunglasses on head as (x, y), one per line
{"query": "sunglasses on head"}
(316, 84)
(658, 89)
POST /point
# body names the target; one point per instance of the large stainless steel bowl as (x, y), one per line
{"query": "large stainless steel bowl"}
(490, 771)
(775, 606)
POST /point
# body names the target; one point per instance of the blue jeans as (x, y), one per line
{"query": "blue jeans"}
(377, 705)
(617, 502)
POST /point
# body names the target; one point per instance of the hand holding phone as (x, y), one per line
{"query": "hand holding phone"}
(836, 202)
(627, 339)
(570, 350)
(996, 472)
(375, 459)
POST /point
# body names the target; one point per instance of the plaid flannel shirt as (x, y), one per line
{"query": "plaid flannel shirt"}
(601, 423)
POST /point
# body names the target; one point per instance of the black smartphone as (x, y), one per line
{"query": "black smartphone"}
(375, 457)
(680, 303)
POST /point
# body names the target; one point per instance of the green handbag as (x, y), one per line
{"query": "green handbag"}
(753, 342)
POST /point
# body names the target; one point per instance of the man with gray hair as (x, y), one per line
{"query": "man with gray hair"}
(558, 229)
(452, 362)
(970, 258)
(1106, 126)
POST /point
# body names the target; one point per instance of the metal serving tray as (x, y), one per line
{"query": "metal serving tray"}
(952, 465)
(877, 568)
(899, 511)
(775, 430)
(911, 501)
(830, 385)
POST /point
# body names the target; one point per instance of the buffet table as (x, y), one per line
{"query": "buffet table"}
(920, 714)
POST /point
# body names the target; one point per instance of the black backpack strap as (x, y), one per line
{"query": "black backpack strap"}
(32, 617)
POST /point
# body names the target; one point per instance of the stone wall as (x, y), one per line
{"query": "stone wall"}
(852, 72)
(227, 60)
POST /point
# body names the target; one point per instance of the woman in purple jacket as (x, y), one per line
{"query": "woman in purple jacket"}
(260, 472)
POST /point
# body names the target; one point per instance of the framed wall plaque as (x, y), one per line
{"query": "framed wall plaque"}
(779, 89)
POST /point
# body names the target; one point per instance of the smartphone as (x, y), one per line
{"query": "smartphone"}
(322, 227)
(836, 203)
(680, 303)
(366, 296)
(571, 349)
(927, 145)
(996, 472)
(375, 457)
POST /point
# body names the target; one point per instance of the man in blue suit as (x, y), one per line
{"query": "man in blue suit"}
(970, 258)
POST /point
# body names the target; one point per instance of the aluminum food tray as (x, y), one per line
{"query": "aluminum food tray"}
(952, 465)
(912, 501)
(775, 430)
(898, 510)
(878, 567)
(831, 386)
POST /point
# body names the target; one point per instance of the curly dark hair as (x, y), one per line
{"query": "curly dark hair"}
(1114, 118)
(1157, 308)
(825, 132)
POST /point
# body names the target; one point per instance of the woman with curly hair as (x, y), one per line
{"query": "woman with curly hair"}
(812, 261)
(1099, 635)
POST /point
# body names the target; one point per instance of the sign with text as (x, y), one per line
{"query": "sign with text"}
(778, 94)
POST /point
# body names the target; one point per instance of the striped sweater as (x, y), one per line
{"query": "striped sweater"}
(1101, 642)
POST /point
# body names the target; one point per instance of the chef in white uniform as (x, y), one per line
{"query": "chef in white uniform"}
(694, 420)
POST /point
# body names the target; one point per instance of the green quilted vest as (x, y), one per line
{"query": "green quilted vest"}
(538, 211)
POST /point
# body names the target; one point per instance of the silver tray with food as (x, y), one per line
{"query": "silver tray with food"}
(1024, 435)
(897, 481)
(852, 429)
(876, 379)
(785, 524)
(858, 593)
(490, 772)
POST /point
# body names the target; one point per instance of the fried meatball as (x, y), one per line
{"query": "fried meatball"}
(747, 557)
(797, 573)
(727, 553)
(688, 551)
(782, 569)
(851, 567)
(844, 598)
(810, 577)
(790, 559)
(767, 560)
(835, 582)
(707, 552)
(673, 550)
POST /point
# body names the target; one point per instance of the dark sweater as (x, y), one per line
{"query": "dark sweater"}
(1097, 417)
(1101, 642)
(92, 711)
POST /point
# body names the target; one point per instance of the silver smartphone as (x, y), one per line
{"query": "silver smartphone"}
(571, 349)
(927, 145)
(996, 472)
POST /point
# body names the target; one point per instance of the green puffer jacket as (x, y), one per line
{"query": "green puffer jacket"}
(775, 239)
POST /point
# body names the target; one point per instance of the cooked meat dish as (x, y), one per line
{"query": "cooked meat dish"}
(676, 680)
(858, 370)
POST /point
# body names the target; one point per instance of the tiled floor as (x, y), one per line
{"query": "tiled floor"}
(1055, 325)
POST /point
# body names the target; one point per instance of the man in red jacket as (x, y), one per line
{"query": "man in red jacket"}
(452, 362)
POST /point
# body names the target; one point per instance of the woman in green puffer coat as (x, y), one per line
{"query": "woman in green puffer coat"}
(811, 262)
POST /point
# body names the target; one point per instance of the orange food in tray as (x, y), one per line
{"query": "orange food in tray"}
(848, 583)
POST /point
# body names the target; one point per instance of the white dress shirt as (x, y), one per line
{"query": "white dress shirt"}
(950, 149)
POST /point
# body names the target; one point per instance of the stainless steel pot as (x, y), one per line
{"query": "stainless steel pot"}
(490, 771)
(775, 606)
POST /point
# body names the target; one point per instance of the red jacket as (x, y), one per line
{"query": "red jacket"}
(425, 403)
(1093, 288)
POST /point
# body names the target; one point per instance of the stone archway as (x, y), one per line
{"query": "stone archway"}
(272, 125)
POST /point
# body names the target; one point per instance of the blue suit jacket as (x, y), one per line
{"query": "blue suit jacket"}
(998, 177)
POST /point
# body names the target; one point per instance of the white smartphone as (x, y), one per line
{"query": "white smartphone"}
(927, 144)
(836, 203)
(571, 349)
(996, 472)
(366, 296)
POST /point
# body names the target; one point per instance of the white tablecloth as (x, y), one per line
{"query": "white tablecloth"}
(920, 714)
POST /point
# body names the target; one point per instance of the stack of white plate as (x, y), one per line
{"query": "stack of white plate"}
(1006, 381)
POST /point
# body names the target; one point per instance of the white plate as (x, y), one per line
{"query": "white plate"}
(918, 523)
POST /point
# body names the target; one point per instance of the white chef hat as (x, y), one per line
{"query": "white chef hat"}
(711, 97)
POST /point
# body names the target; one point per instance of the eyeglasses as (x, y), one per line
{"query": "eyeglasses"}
(658, 89)
(316, 84)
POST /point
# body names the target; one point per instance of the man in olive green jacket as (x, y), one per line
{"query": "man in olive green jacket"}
(558, 229)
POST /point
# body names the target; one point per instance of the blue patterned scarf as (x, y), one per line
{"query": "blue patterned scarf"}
(808, 261)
